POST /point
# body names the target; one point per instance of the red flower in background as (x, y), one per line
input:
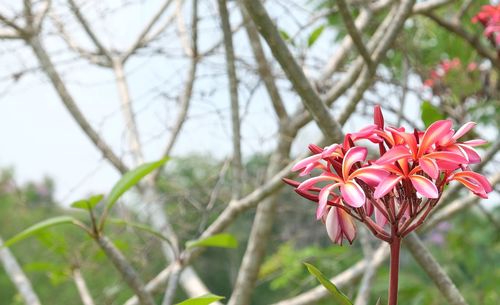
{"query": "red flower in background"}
(442, 69)
(489, 17)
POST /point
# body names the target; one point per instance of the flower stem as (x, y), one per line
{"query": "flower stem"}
(393, 281)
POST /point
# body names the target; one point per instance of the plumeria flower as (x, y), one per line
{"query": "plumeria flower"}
(489, 17)
(422, 149)
(350, 190)
(422, 185)
(394, 193)
(449, 143)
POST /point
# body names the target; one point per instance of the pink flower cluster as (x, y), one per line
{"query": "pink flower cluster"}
(489, 17)
(441, 71)
(392, 193)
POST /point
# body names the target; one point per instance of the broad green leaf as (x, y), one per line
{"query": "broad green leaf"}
(315, 35)
(339, 297)
(223, 240)
(203, 300)
(130, 179)
(430, 113)
(87, 204)
(34, 229)
(139, 226)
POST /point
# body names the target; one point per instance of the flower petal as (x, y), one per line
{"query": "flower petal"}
(463, 130)
(447, 156)
(475, 142)
(471, 154)
(353, 194)
(477, 177)
(372, 176)
(347, 225)
(353, 155)
(424, 186)
(332, 224)
(436, 131)
(386, 186)
(323, 200)
(305, 162)
(429, 166)
(394, 154)
(312, 181)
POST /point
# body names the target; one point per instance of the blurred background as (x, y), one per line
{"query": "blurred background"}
(89, 89)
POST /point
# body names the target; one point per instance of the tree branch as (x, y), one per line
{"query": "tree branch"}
(83, 290)
(126, 270)
(473, 40)
(354, 34)
(427, 262)
(142, 39)
(17, 276)
(127, 110)
(68, 101)
(86, 26)
(264, 68)
(233, 94)
(320, 113)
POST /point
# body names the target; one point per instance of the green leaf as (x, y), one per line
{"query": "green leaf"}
(430, 113)
(130, 179)
(315, 35)
(223, 240)
(34, 229)
(87, 204)
(339, 297)
(139, 226)
(203, 300)
(286, 37)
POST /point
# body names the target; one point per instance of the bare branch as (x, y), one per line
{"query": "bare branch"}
(127, 110)
(425, 259)
(264, 68)
(173, 282)
(68, 101)
(90, 56)
(181, 27)
(365, 286)
(233, 95)
(86, 26)
(142, 39)
(155, 284)
(82, 287)
(126, 270)
(330, 128)
(354, 33)
(40, 17)
(17, 276)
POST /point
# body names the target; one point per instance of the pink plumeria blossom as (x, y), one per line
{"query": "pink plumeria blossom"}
(393, 193)
(350, 190)
(489, 17)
